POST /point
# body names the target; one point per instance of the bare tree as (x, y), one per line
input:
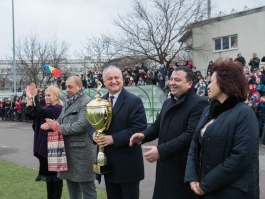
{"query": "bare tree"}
(100, 50)
(32, 54)
(153, 30)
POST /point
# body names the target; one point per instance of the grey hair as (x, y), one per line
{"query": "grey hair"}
(110, 67)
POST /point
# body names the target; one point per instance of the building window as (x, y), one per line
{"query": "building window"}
(225, 43)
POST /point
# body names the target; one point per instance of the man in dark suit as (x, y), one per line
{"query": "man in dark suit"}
(128, 117)
(174, 127)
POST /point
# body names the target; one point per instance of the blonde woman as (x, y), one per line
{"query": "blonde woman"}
(37, 113)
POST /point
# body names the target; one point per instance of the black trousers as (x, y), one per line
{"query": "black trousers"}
(54, 189)
(122, 191)
(53, 184)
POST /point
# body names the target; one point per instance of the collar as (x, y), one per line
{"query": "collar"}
(183, 95)
(116, 95)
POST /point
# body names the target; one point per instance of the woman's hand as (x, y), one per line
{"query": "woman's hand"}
(196, 188)
(28, 92)
(34, 90)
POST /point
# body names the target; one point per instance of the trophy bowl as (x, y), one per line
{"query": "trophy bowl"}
(99, 114)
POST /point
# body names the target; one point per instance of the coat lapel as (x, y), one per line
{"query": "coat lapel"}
(73, 106)
(118, 104)
(172, 104)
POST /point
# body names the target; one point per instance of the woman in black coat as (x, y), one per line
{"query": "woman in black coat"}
(223, 160)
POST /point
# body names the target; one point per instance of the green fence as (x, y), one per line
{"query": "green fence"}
(152, 96)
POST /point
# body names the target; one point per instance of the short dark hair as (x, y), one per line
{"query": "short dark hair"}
(230, 78)
(190, 76)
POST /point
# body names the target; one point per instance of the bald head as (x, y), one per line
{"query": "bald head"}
(77, 80)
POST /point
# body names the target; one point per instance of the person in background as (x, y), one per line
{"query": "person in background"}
(84, 81)
(254, 62)
(131, 82)
(3, 102)
(7, 109)
(259, 86)
(258, 74)
(170, 70)
(194, 70)
(209, 68)
(63, 85)
(148, 78)
(36, 112)
(223, 159)
(18, 108)
(261, 117)
(140, 82)
(161, 77)
(240, 59)
(200, 87)
(207, 82)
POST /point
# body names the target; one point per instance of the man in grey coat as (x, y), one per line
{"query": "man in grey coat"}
(80, 151)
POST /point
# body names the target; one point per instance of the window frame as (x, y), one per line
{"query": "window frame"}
(229, 40)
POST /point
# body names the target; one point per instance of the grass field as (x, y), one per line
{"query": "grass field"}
(18, 182)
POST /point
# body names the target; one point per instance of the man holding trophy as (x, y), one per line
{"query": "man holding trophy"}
(127, 117)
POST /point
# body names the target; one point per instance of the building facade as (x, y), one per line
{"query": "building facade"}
(228, 35)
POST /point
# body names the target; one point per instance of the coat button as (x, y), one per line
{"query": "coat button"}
(209, 138)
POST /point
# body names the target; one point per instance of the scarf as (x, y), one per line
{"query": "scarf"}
(216, 108)
(70, 100)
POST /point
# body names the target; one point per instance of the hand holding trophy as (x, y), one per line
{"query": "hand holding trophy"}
(99, 114)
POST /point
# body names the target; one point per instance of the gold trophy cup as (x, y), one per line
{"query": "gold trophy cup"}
(99, 114)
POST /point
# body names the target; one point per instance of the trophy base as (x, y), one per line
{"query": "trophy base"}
(101, 170)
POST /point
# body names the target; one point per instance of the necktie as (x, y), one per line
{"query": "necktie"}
(111, 100)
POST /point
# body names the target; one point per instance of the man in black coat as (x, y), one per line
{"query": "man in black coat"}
(240, 59)
(128, 117)
(254, 62)
(174, 127)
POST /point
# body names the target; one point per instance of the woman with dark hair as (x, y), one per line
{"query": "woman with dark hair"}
(223, 160)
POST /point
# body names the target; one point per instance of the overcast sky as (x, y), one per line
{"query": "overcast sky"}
(75, 20)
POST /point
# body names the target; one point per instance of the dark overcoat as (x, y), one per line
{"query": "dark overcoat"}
(128, 117)
(174, 127)
(229, 155)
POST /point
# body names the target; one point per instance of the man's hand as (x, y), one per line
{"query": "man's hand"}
(105, 140)
(95, 137)
(137, 137)
(52, 124)
(45, 126)
(263, 145)
(152, 155)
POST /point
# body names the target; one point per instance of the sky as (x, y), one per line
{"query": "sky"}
(76, 20)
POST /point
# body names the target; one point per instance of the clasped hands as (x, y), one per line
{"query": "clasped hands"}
(152, 154)
(196, 188)
(103, 140)
(49, 124)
